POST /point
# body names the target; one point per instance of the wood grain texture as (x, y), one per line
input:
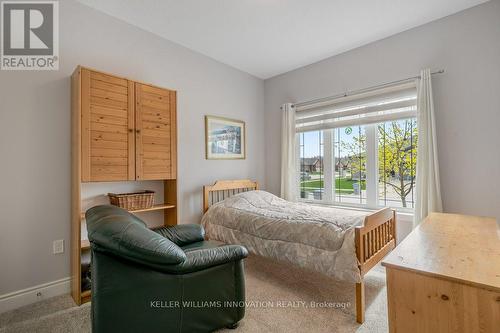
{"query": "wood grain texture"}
(445, 276)
(76, 169)
(455, 247)
(150, 209)
(96, 84)
(426, 304)
(85, 131)
(131, 125)
(173, 134)
(170, 196)
(219, 190)
(155, 125)
(360, 302)
(376, 238)
(108, 78)
(108, 123)
(373, 241)
(139, 143)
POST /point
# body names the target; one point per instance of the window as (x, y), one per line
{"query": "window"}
(397, 162)
(350, 164)
(361, 152)
(311, 165)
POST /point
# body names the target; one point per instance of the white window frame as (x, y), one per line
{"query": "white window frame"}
(372, 186)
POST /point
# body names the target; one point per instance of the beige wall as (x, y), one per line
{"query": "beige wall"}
(35, 133)
(467, 98)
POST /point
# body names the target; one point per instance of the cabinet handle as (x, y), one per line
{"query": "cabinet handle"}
(130, 130)
(138, 131)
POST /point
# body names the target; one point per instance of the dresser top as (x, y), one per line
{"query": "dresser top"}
(454, 247)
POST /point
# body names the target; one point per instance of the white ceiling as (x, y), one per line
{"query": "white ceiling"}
(269, 37)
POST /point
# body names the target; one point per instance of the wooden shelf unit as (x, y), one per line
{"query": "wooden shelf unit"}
(155, 207)
(122, 130)
(151, 209)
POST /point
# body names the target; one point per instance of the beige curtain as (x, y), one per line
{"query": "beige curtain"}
(288, 153)
(428, 188)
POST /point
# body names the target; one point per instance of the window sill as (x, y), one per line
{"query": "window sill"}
(406, 213)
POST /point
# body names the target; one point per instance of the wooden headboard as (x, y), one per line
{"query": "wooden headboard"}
(223, 189)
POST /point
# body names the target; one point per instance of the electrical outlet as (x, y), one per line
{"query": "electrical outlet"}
(58, 246)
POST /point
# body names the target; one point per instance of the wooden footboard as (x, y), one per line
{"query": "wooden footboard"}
(374, 240)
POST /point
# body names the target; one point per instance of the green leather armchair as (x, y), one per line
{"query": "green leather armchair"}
(166, 280)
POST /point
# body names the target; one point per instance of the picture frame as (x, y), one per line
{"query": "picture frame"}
(225, 138)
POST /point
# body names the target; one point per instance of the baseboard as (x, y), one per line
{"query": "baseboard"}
(34, 294)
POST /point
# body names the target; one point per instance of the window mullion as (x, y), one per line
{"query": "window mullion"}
(298, 165)
(328, 164)
(371, 166)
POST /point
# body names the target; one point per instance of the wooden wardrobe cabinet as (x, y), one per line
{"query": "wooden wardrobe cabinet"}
(128, 129)
(122, 130)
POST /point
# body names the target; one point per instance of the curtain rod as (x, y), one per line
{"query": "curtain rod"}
(359, 91)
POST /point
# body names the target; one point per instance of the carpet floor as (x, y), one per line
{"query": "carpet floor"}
(280, 298)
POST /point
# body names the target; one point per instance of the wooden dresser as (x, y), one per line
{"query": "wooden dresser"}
(445, 277)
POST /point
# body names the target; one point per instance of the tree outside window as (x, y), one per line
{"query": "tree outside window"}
(397, 160)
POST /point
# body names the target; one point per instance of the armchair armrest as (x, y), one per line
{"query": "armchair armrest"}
(183, 234)
(198, 260)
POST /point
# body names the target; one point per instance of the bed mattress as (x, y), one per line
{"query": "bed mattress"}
(312, 237)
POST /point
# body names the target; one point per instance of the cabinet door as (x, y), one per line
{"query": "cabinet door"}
(108, 142)
(155, 123)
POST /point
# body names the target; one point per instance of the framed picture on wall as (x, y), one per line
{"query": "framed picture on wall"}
(224, 138)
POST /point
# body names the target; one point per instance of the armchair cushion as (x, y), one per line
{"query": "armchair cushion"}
(183, 234)
(117, 231)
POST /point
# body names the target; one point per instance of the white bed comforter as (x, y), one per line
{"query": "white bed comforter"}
(317, 238)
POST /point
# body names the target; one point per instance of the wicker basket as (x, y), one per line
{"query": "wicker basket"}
(133, 201)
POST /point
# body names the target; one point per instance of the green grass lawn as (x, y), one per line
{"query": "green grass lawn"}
(343, 185)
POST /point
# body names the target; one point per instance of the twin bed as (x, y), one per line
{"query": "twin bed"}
(344, 244)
